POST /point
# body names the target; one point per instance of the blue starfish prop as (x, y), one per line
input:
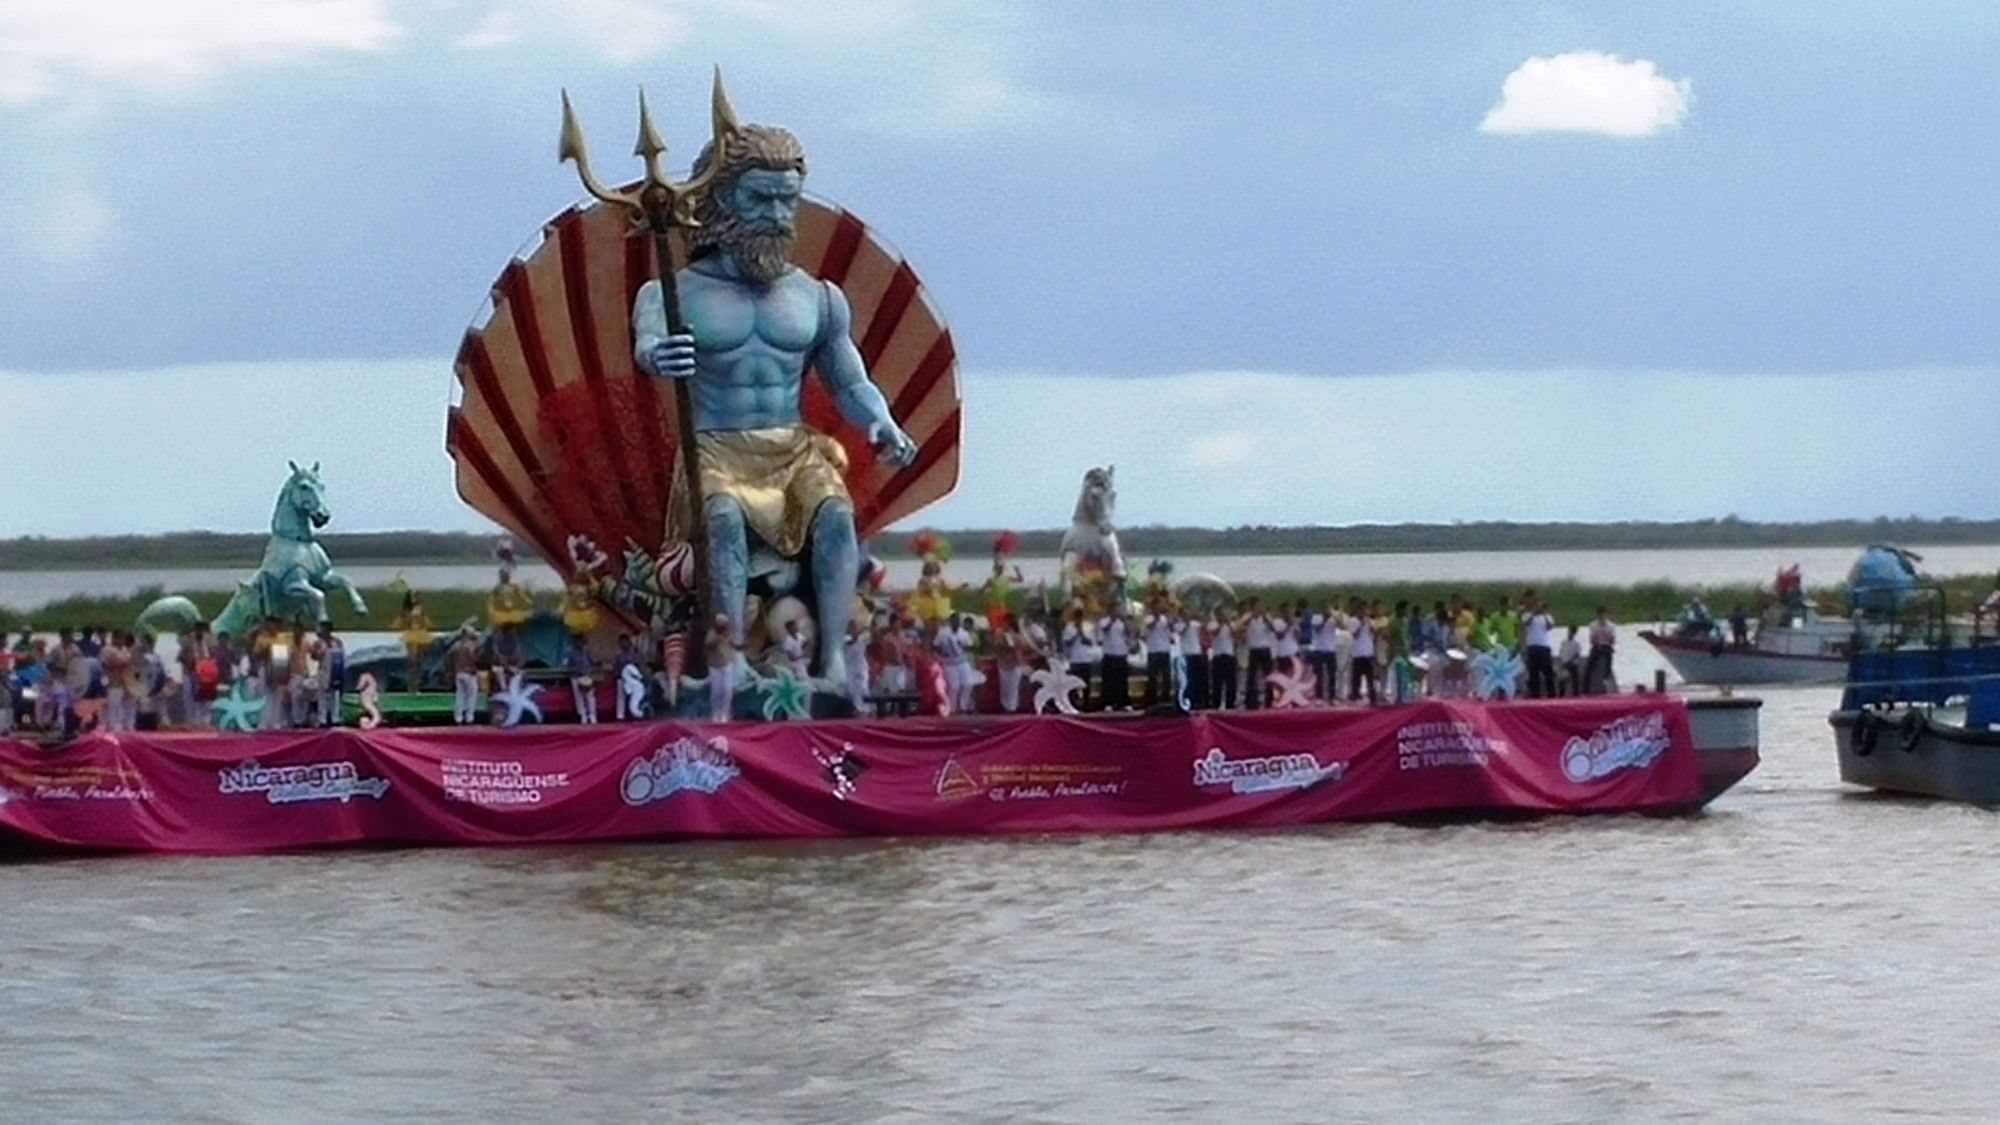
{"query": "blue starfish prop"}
(1496, 673)
(787, 697)
(237, 709)
(519, 700)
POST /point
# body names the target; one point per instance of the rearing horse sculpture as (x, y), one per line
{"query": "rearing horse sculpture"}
(291, 583)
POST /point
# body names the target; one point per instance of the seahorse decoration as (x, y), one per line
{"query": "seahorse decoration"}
(371, 701)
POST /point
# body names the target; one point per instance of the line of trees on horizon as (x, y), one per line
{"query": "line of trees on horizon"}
(194, 548)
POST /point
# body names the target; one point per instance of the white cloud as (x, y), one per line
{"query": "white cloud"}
(1589, 92)
(496, 30)
(49, 46)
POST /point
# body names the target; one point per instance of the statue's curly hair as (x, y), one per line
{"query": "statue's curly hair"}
(745, 148)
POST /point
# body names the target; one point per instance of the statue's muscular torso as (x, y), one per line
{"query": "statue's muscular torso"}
(752, 345)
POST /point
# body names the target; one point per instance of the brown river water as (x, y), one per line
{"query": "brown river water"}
(1797, 953)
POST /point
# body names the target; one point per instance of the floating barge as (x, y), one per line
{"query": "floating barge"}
(969, 776)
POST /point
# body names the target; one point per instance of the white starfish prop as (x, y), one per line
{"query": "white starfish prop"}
(237, 709)
(1496, 672)
(1293, 688)
(371, 702)
(519, 700)
(1054, 687)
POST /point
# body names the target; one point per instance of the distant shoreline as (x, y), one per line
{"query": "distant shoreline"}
(188, 550)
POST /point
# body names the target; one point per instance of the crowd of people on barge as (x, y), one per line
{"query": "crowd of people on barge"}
(1348, 651)
(1343, 651)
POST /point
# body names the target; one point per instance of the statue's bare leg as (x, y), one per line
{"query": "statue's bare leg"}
(836, 565)
(728, 565)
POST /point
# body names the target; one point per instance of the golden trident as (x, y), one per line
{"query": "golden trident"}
(661, 205)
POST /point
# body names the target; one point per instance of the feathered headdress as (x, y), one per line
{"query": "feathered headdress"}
(585, 555)
(503, 550)
(930, 545)
(1161, 568)
(1005, 543)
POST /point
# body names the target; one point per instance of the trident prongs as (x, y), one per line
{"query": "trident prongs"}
(656, 199)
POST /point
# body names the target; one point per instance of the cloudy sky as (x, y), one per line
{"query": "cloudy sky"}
(1282, 262)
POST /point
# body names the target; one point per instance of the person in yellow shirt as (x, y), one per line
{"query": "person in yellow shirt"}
(413, 627)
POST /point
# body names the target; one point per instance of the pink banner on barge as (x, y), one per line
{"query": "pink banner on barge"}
(967, 776)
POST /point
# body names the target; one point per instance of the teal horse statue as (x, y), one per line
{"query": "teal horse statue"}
(292, 582)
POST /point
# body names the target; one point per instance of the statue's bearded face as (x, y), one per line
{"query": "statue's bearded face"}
(760, 222)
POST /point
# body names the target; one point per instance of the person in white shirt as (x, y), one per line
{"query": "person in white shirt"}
(1195, 653)
(1325, 653)
(793, 646)
(1538, 631)
(948, 650)
(1160, 646)
(1117, 662)
(1285, 638)
(1221, 660)
(1077, 650)
(1572, 662)
(969, 677)
(1361, 660)
(1257, 637)
(857, 665)
(1597, 675)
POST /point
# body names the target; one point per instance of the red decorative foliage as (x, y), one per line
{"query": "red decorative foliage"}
(586, 485)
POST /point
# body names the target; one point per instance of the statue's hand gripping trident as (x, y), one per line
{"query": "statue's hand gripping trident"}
(660, 205)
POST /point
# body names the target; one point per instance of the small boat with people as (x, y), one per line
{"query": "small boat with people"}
(1920, 713)
(1786, 639)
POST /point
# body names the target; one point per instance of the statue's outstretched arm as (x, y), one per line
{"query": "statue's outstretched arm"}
(860, 401)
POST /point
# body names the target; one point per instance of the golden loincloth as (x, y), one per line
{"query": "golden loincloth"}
(779, 474)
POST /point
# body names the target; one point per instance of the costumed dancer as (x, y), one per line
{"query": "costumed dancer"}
(1079, 649)
(721, 658)
(413, 628)
(1000, 585)
(508, 607)
(932, 600)
(332, 675)
(1257, 635)
(627, 657)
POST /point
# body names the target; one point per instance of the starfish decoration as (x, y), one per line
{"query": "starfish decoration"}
(1292, 688)
(1054, 687)
(237, 709)
(1496, 673)
(371, 701)
(786, 696)
(519, 700)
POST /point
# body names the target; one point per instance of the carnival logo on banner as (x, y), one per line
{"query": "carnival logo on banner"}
(1632, 742)
(1264, 775)
(684, 764)
(954, 783)
(315, 781)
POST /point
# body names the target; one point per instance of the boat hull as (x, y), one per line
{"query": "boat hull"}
(976, 775)
(1909, 752)
(1698, 662)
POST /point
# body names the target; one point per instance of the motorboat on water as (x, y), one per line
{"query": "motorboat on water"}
(1921, 711)
(1790, 641)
